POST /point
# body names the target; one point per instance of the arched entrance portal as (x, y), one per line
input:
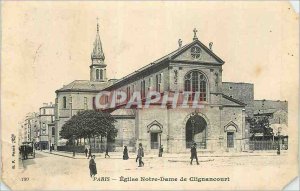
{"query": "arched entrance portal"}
(195, 131)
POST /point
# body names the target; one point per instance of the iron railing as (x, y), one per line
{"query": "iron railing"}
(200, 145)
(267, 145)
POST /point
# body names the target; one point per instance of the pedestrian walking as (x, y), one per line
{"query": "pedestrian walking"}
(125, 153)
(86, 152)
(24, 152)
(106, 152)
(140, 155)
(92, 166)
(194, 153)
(161, 150)
(90, 153)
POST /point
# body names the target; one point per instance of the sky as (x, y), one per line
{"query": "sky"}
(46, 45)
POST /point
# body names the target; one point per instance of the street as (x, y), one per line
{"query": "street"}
(53, 171)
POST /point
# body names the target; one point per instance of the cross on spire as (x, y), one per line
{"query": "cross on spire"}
(97, 50)
(195, 34)
(97, 24)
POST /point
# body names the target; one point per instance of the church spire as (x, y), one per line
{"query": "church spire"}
(97, 53)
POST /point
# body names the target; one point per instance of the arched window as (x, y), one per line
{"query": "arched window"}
(101, 74)
(94, 102)
(143, 87)
(64, 102)
(53, 131)
(195, 81)
(97, 74)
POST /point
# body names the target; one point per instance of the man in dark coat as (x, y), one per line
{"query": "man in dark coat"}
(194, 153)
(106, 152)
(86, 152)
(140, 155)
(25, 152)
(125, 153)
(90, 153)
(92, 166)
(161, 150)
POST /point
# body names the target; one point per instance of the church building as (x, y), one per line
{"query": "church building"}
(219, 125)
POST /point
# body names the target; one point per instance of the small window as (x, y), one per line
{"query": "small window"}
(101, 74)
(143, 92)
(150, 83)
(94, 102)
(85, 103)
(64, 102)
(158, 82)
(106, 99)
(97, 74)
(118, 98)
(53, 131)
(128, 92)
(230, 87)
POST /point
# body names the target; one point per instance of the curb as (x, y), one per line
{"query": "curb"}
(60, 155)
(170, 157)
(65, 155)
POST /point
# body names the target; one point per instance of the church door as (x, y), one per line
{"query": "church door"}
(230, 139)
(195, 131)
(154, 140)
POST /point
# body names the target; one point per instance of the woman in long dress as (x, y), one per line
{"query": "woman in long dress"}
(125, 153)
(92, 166)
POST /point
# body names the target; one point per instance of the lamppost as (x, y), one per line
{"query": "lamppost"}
(193, 122)
(33, 146)
(278, 134)
(70, 102)
(193, 128)
(49, 139)
(41, 134)
(73, 137)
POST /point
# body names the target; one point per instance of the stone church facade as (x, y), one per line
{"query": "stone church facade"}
(218, 125)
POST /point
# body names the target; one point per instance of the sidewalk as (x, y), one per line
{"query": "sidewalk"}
(70, 154)
(119, 155)
(20, 163)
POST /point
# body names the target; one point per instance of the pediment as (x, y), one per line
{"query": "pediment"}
(154, 126)
(231, 127)
(197, 52)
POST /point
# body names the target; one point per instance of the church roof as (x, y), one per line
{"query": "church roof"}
(83, 86)
(264, 111)
(229, 101)
(168, 57)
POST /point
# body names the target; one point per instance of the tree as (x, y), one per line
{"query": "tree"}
(260, 124)
(89, 124)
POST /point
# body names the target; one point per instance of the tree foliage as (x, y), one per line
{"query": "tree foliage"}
(260, 124)
(88, 124)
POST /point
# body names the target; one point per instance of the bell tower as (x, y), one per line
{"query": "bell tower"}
(98, 67)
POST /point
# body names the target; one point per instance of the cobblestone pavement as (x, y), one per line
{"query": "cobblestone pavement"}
(54, 167)
(115, 163)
